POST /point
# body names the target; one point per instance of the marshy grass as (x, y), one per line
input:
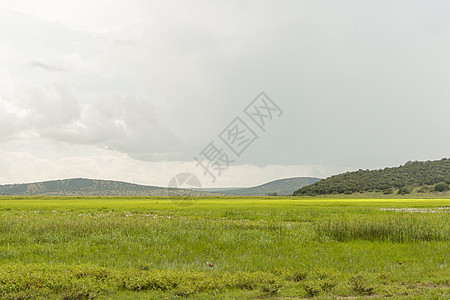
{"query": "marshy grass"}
(80, 248)
(391, 228)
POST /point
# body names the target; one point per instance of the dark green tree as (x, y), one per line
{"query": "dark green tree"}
(441, 187)
(404, 190)
(412, 174)
(388, 191)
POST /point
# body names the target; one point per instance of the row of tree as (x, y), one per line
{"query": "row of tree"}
(429, 175)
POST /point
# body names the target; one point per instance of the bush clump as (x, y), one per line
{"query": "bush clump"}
(388, 191)
(405, 190)
(441, 187)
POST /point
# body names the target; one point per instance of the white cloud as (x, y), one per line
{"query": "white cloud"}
(22, 166)
(121, 123)
(113, 121)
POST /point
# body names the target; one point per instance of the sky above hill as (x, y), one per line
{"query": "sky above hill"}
(142, 90)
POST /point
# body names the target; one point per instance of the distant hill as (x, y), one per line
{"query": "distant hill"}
(423, 176)
(91, 187)
(279, 187)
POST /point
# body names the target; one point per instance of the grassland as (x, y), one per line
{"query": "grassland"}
(285, 248)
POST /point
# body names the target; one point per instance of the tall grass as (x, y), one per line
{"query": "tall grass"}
(391, 228)
(258, 248)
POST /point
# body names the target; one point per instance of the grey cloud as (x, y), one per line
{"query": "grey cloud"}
(121, 123)
(361, 84)
(113, 121)
(47, 67)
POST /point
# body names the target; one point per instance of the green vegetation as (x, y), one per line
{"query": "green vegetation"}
(420, 176)
(79, 186)
(148, 248)
(281, 187)
(441, 187)
(90, 187)
(404, 190)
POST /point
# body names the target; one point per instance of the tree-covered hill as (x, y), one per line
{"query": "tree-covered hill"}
(428, 175)
(90, 187)
(94, 187)
(278, 187)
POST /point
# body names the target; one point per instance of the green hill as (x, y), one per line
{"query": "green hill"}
(424, 176)
(279, 187)
(91, 187)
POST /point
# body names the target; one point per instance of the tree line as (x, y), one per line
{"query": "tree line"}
(427, 176)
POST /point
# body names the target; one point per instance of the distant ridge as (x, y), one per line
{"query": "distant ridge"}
(420, 176)
(97, 187)
(90, 187)
(280, 187)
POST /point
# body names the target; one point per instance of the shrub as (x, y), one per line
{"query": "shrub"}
(441, 187)
(404, 190)
(425, 189)
(388, 191)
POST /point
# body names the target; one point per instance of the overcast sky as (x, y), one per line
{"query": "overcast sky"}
(134, 90)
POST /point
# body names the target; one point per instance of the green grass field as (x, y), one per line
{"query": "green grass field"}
(284, 248)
